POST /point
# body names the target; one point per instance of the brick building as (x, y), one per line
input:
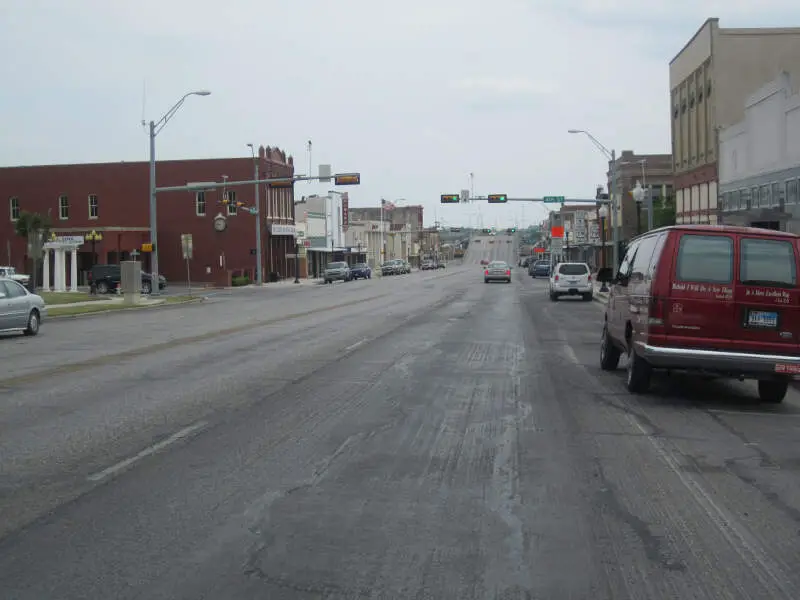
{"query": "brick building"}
(112, 199)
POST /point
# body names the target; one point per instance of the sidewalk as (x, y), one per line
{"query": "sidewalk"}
(145, 301)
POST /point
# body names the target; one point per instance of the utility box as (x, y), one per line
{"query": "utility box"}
(131, 281)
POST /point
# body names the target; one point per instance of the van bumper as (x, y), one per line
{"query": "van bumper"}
(665, 357)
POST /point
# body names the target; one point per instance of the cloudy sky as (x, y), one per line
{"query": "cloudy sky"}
(414, 94)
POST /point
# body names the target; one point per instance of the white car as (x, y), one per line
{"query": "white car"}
(571, 279)
(11, 273)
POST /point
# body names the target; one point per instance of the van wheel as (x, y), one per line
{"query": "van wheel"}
(771, 391)
(609, 353)
(553, 297)
(638, 380)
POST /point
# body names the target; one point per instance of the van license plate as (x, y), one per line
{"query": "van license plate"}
(761, 318)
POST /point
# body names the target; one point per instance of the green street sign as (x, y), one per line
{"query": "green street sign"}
(553, 199)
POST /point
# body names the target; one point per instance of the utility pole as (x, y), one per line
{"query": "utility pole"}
(259, 257)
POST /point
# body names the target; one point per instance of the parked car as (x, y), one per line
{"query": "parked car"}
(707, 299)
(337, 271)
(20, 310)
(427, 265)
(497, 271)
(106, 278)
(571, 279)
(11, 273)
(360, 271)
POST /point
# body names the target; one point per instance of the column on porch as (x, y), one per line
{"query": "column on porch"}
(46, 270)
(73, 272)
(60, 266)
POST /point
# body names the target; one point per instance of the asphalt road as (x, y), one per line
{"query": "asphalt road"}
(431, 436)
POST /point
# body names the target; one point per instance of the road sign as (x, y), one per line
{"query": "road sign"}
(557, 232)
(497, 198)
(147, 247)
(556, 245)
(347, 179)
(186, 245)
(450, 199)
(281, 184)
(553, 199)
(324, 173)
(465, 195)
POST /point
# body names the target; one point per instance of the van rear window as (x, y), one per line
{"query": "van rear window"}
(573, 269)
(705, 259)
(768, 263)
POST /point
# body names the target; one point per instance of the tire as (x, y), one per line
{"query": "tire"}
(33, 323)
(485, 281)
(553, 297)
(102, 287)
(772, 391)
(609, 353)
(587, 297)
(638, 375)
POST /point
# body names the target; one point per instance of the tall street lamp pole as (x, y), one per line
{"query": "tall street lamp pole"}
(155, 129)
(612, 157)
(259, 274)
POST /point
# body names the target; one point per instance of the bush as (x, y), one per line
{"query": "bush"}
(240, 281)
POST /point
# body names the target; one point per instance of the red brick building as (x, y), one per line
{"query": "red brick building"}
(112, 199)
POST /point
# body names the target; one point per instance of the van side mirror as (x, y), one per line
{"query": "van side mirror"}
(605, 275)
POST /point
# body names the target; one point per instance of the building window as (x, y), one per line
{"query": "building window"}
(754, 200)
(231, 203)
(777, 194)
(94, 206)
(791, 191)
(736, 201)
(63, 207)
(744, 198)
(200, 204)
(13, 205)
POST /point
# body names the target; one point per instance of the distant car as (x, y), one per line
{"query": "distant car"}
(11, 273)
(360, 271)
(484, 261)
(427, 265)
(571, 279)
(497, 271)
(540, 268)
(20, 310)
(337, 271)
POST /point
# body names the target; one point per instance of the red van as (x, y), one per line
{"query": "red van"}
(710, 299)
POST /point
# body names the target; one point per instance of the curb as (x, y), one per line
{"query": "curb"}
(100, 313)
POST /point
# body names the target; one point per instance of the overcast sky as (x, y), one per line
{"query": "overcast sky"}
(414, 94)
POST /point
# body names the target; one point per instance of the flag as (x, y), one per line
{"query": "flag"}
(387, 205)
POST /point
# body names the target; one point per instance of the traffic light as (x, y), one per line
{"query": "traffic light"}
(497, 198)
(450, 199)
(347, 179)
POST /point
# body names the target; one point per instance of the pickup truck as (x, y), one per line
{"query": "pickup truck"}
(11, 273)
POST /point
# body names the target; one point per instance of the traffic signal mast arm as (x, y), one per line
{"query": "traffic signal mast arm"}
(545, 200)
(206, 186)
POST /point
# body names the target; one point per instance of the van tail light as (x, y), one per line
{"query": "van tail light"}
(556, 278)
(486, 272)
(508, 271)
(657, 318)
(589, 278)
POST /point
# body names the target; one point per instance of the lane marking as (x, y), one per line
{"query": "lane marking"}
(356, 345)
(150, 450)
(745, 413)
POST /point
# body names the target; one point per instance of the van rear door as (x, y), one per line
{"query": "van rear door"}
(767, 295)
(701, 311)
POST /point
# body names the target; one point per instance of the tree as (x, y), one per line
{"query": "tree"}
(35, 229)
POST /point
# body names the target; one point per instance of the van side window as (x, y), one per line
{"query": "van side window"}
(641, 262)
(767, 263)
(705, 259)
(651, 271)
(627, 261)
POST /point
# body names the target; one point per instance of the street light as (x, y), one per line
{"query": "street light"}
(612, 157)
(155, 129)
(93, 237)
(602, 213)
(259, 276)
(638, 196)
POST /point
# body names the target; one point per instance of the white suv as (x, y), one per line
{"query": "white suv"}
(571, 279)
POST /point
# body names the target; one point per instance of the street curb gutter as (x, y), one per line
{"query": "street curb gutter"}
(103, 313)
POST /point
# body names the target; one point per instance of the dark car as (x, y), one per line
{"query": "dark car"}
(105, 278)
(360, 271)
(541, 268)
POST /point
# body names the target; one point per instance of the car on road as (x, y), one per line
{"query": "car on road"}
(20, 310)
(11, 273)
(396, 266)
(709, 299)
(571, 279)
(540, 268)
(484, 261)
(497, 271)
(427, 265)
(105, 278)
(360, 271)
(337, 271)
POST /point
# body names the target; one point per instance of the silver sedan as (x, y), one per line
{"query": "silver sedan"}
(19, 309)
(497, 270)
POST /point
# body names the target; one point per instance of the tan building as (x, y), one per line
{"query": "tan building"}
(710, 80)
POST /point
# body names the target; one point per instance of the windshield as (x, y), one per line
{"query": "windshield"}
(337, 265)
(573, 269)
(360, 265)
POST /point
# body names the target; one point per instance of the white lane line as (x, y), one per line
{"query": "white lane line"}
(124, 464)
(747, 413)
(356, 345)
